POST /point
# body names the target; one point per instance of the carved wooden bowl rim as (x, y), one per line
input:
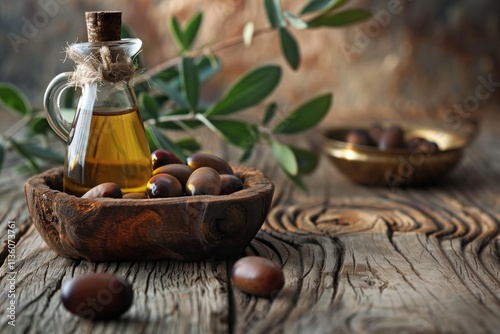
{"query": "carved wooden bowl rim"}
(60, 219)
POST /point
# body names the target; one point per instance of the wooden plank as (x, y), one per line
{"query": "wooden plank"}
(355, 259)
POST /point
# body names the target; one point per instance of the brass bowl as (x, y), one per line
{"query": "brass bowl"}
(183, 228)
(368, 165)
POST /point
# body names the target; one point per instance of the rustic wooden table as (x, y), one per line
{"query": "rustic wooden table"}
(356, 260)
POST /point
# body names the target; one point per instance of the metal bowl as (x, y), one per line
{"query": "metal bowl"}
(371, 166)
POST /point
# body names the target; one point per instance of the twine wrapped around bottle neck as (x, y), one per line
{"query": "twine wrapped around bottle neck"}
(99, 67)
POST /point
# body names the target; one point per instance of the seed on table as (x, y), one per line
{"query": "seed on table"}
(179, 171)
(162, 186)
(198, 160)
(107, 189)
(230, 184)
(162, 157)
(204, 181)
(257, 276)
(97, 296)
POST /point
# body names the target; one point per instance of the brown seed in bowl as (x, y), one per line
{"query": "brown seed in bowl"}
(198, 160)
(413, 143)
(162, 186)
(162, 157)
(359, 137)
(107, 189)
(392, 138)
(375, 132)
(204, 181)
(135, 196)
(230, 184)
(257, 276)
(179, 171)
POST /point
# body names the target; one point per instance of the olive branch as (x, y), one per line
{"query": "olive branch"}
(169, 95)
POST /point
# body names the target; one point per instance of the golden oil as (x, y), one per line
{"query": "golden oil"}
(116, 151)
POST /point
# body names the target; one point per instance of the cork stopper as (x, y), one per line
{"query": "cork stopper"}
(103, 26)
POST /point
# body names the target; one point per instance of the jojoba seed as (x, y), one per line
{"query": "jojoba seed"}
(161, 157)
(204, 181)
(375, 132)
(163, 185)
(230, 184)
(392, 138)
(179, 171)
(359, 137)
(107, 189)
(97, 296)
(413, 143)
(428, 147)
(257, 276)
(135, 196)
(198, 160)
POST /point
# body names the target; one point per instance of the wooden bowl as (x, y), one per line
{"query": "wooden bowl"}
(370, 166)
(186, 228)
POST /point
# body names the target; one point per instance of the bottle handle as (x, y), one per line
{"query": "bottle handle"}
(51, 102)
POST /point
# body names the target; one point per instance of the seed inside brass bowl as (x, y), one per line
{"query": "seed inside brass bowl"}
(401, 167)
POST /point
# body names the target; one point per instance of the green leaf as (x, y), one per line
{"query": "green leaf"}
(297, 180)
(290, 48)
(247, 154)
(189, 144)
(238, 133)
(295, 21)
(274, 13)
(307, 160)
(305, 116)
(148, 106)
(157, 139)
(178, 125)
(270, 112)
(285, 157)
(178, 35)
(126, 32)
(22, 151)
(39, 125)
(168, 75)
(12, 98)
(69, 98)
(316, 5)
(44, 153)
(190, 81)
(170, 91)
(248, 91)
(207, 66)
(192, 28)
(340, 19)
(248, 33)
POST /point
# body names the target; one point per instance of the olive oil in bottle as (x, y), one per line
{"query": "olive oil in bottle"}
(116, 151)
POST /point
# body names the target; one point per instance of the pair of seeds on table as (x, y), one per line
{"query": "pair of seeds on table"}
(103, 296)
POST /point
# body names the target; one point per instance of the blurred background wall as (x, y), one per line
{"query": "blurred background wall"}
(414, 57)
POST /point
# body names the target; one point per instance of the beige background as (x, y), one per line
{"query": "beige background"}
(413, 58)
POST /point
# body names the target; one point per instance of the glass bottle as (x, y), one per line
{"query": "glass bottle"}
(106, 142)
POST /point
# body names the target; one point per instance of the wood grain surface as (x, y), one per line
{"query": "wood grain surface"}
(356, 260)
